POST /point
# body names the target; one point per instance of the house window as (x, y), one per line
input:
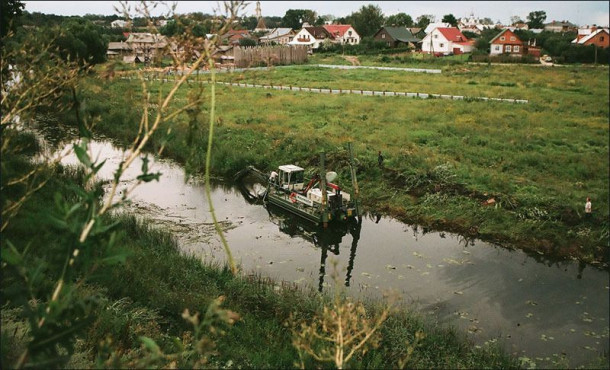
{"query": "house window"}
(349, 33)
(441, 45)
(516, 48)
(512, 38)
(497, 48)
(601, 38)
(436, 36)
(383, 35)
(508, 48)
(502, 38)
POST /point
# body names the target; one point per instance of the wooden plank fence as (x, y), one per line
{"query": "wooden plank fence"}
(246, 57)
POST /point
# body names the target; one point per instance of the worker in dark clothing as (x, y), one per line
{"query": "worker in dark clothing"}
(380, 159)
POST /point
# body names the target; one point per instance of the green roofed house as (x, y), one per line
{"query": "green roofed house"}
(397, 36)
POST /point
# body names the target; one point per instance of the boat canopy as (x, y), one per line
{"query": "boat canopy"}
(290, 168)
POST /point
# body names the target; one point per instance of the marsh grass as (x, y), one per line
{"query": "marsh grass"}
(549, 154)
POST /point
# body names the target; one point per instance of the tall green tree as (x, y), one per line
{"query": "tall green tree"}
(399, 19)
(294, 18)
(450, 18)
(11, 10)
(368, 20)
(424, 20)
(536, 19)
(82, 41)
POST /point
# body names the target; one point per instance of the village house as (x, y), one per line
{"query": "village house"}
(432, 26)
(343, 34)
(311, 36)
(119, 23)
(506, 42)
(395, 37)
(562, 26)
(232, 37)
(472, 24)
(278, 36)
(145, 46)
(446, 41)
(593, 36)
(118, 50)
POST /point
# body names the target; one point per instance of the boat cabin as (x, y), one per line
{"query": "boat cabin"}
(291, 177)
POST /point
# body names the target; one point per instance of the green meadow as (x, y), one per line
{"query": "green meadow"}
(516, 174)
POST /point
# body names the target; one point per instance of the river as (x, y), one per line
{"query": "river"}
(548, 314)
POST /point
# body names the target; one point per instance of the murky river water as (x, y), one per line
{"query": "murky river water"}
(539, 311)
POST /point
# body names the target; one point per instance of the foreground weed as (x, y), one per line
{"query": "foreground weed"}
(192, 351)
(342, 331)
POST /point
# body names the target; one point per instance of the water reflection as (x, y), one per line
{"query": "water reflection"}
(326, 239)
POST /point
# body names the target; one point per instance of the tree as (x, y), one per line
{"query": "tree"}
(11, 10)
(294, 18)
(482, 43)
(515, 19)
(536, 19)
(450, 18)
(424, 20)
(249, 23)
(82, 41)
(368, 20)
(399, 19)
(247, 42)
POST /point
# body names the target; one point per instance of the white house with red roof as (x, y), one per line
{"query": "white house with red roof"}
(343, 33)
(445, 41)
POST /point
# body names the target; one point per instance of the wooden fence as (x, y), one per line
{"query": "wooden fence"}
(269, 55)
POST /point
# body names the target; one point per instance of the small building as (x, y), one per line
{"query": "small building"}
(312, 37)
(395, 37)
(506, 42)
(343, 34)
(119, 23)
(432, 26)
(560, 26)
(118, 50)
(279, 36)
(232, 37)
(446, 41)
(593, 36)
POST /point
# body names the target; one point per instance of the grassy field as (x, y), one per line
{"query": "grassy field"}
(538, 161)
(146, 295)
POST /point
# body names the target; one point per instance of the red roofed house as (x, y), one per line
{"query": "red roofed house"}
(343, 33)
(593, 36)
(506, 42)
(445, 41)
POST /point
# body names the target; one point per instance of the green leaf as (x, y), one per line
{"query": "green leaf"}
(150, 345)
(98, 167)
(82, 155)
(148, 177)
(117, 258)
(11, 255)
(145, 165)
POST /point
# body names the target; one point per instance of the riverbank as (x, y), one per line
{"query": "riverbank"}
(146, 295)
(518, 181)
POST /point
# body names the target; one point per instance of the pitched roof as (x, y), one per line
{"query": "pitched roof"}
(493, 41)
(261, 24)
(401, 34)
(453, 34)
(337, 29)
(588, 37)
(319, 33)
(277, 32)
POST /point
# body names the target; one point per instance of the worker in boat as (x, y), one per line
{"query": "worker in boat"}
(273, 177)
